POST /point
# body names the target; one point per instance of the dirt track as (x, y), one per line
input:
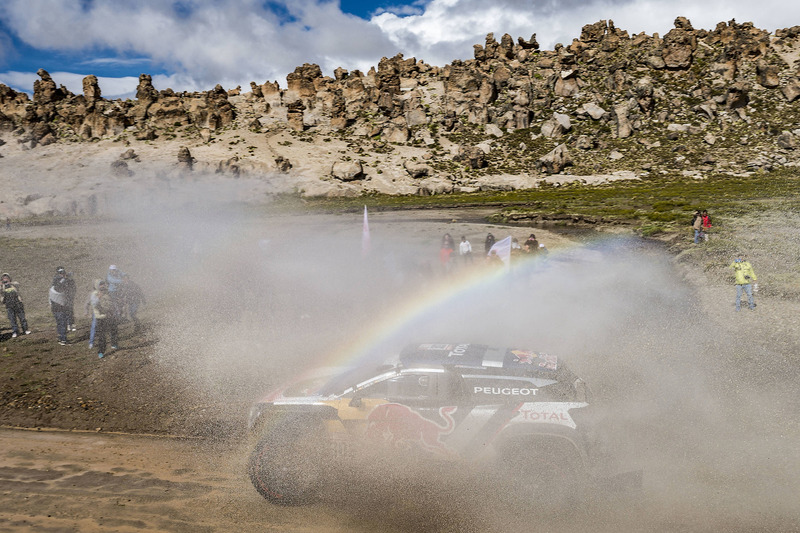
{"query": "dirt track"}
(700, 398)
(56, 481)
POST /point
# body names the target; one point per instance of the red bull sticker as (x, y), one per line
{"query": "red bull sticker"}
(402, 427)
(542, 360)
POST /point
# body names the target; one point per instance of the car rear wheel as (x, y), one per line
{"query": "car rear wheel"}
(286, 464)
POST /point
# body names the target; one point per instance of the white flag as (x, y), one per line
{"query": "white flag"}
(503, 250)
(365, 234)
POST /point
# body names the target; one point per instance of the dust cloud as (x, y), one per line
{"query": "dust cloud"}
(247, 299)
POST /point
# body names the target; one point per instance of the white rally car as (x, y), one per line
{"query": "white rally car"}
(456, 402)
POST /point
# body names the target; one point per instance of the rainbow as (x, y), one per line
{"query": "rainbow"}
(385, 331)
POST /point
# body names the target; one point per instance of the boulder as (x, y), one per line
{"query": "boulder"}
(120, 169)
(557, 126)
(347, 170)
(229, 166)
(185, 159)
(786, 140)
(493, 130)
(767, 75)
(679, 45)
(556, 160)
(791, 91)
(471, 156)
(593, 110)
(584, 142)
(91, 89)
(283, 164)
(622, 123)
(738, 95)
(416, 170)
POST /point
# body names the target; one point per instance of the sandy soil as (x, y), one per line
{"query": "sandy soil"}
(77, 178)
(702, 399)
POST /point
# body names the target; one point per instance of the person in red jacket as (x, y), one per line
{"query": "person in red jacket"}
(706, 224)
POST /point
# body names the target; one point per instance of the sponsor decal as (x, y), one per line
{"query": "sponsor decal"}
(399, 425)
(549, 413)
(435, 346)
(458, 351)
(544, 416)
(505, 391)
(542, 360)
(523, 357)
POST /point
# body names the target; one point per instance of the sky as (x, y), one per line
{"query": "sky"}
(194, 45)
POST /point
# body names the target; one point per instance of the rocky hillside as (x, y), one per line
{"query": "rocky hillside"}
(609, 105)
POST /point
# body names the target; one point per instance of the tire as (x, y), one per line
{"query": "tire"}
(286, 464)
(545, 467)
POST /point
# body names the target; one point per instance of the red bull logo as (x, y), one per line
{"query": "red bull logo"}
(398, 425)
(523, 357)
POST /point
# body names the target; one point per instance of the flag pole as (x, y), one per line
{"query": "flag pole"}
(365, 241)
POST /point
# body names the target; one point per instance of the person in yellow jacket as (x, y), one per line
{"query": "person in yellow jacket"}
(745, 277)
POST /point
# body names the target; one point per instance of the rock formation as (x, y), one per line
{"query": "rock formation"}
(606, 102)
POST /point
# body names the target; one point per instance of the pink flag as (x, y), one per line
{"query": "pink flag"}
(365, 234)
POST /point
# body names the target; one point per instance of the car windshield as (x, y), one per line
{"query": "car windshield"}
(341, 382)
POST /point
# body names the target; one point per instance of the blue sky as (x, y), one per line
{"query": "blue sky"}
(195, 44)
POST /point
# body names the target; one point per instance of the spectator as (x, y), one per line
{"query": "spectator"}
(494, 260)
(465, 250)
(531, 244)
(487, 245)
(14, 306)
(59, 305)
(90, 313)
(114, 279)
(105, 316)
(132, 298)
(745, 277)
(697, 226)
(67, 287)
(446, 252)
(706, 224)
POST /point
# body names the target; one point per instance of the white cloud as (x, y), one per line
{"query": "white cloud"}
(448, 28)
(111, 88)
(233, 42)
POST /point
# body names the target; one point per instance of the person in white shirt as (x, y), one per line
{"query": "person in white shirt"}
(465, 250)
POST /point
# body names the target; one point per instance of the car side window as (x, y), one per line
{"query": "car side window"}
(411, 387)
(452, 389)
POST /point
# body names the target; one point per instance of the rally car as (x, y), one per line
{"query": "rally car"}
(521, 409)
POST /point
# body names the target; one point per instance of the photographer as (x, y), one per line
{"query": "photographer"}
(745, 278)
(13, 302)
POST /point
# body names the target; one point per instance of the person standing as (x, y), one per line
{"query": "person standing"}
(465, 250)
(132, 297)
(532, 244)
(89, 307)
(487, 245)
(14, 306)
(745, 278)
(697, 226)
(114, 280)
(706, 224)
(104, 310)
(446, 252)
(67, 286)
(59, 305)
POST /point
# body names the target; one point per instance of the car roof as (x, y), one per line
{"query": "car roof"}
(481, 358)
